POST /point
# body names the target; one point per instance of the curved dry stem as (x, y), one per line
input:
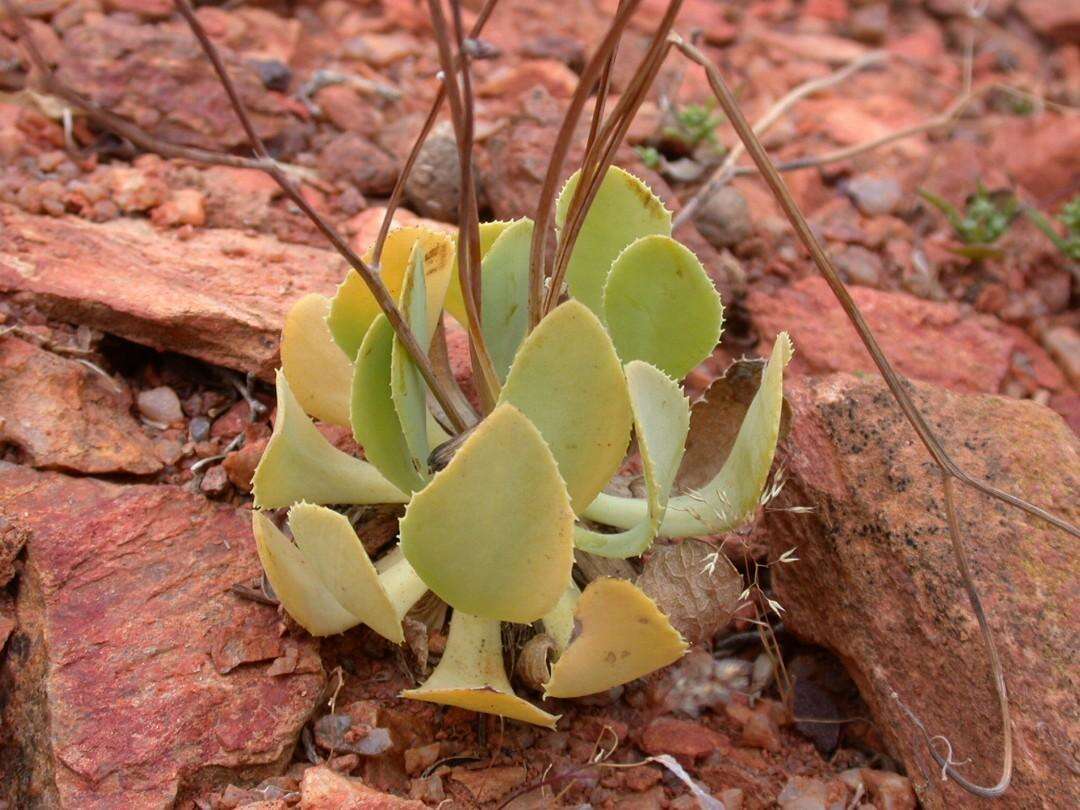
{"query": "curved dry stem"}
(561, 147)
(945, 762)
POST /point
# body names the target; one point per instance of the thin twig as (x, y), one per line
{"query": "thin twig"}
(726, 170)
(948, 467)
(429, 122)
(371, 279)
(468, 241)
(589, 76)
(607, 143)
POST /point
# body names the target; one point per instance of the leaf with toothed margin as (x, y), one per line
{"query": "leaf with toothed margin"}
(317, 370)
(624, 209)
(299, 464)
(505, 283)
(661, 421)
(296, 583)
(492, 533)
(623, 636)
(375, 422)
(471, 674)
(330, 546)
(567, 380)
(353, 308)
(407, 387)
(661, 307)
(489, 232)
(732, 496)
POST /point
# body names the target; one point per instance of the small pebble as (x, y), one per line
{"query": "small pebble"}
(160, 405)
(199, 429)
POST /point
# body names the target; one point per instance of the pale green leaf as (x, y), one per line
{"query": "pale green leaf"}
(567, 380)
(624, 209)
(489, 232)
(330, 545)
(661, 421)
(506, 294)
(623, 636)
(732, 496)
(375, 421)
(492, 533)
(354, 308)
(296, 583)
(299, 464)
(661, 307)
(317, 369)
(407, 387)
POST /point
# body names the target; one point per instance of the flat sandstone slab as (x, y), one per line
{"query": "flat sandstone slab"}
(218, 295)
(134, 677)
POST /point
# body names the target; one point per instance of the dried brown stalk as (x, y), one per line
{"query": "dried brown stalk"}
(414, 153)
(727, 170)
(598, 159)
(949, 468)
(468, 242)
(542, 218)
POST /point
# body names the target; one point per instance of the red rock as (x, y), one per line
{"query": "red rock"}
(805, 793)
(1040, 154)
(322, 789)
(177, 96)
(681, 738)
(135, 190)
(344, 108)
(185, 206)
(64, 416)
(1052, 18)
(1063, 342)
(890, 791)
(112, 697)
(351, 159)
(490, 784)
(220, 296)
(1068, 405)
(514, 81)
(926, 341)
(761, 729)
(877, 583)
(240, 464)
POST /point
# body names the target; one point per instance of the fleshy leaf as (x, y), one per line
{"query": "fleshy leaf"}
(661, 307)
(731, 497)
(623, 636)
(329, 543)
(492, 533)
(471, 674)
(353, 309)
(506, 294)
(559, 621)
(567, 380)
(317, 370)
(489, 232)
(661, 420)
(375, 421)
(295, 582)
(407, 387)
(624, 209)
(299, 464)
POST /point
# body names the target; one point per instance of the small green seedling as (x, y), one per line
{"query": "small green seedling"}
(493, 530)
(1069, 244)
(986, 217)
(693, 125)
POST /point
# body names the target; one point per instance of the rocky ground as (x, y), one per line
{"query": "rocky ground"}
(140, 304)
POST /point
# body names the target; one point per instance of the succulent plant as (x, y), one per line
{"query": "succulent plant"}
(492, 528)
